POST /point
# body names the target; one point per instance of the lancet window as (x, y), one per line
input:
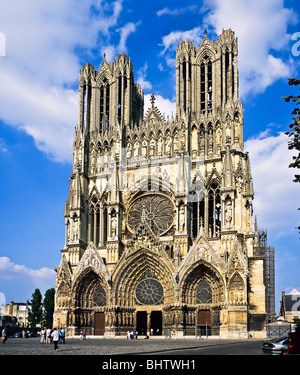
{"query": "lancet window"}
(228, 75)
(104, 104)
(206, 85)
(198, 205)
(97, 222)
(214, 210)
(122, 87)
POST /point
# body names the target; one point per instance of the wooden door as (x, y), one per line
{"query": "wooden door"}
(99, 326)
(204, 317)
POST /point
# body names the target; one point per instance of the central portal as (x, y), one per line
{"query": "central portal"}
(141, 322)
(149, 323)
(156, 323)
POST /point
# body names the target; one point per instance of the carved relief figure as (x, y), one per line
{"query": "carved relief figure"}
(181, 218)
(218, 137)
(228, 212)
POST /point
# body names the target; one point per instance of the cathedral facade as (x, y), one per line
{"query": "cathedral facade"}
(159, 222)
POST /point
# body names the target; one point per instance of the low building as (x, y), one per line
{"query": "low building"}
(19, 311)
(290, 305)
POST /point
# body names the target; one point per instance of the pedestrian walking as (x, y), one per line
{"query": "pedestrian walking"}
(4, 335)
(84, 334)
(128, 335)
(62, 335)
(42, 334)
(48, 336)
(55, 338)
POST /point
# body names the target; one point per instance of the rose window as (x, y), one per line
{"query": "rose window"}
(149, 291)
(154, 211)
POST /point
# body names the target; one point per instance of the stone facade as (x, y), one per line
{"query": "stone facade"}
(159, 233)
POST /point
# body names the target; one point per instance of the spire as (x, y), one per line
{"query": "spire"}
(182, 176)
(114, 185)
(76, 189)
(152, 100)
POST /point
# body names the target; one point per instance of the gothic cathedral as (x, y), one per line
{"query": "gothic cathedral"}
(159, 232)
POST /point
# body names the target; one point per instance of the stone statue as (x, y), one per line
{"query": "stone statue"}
(181, 218)
(228, 212)
(113, 226)
(129, 150)
(219, 137)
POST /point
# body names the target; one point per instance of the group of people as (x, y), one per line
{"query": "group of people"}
(53, 336)
(134, 335)
(83, 335)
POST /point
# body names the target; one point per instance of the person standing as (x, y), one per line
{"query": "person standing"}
(55, 338)
(84, 334)
(4, 335)
(42, 336)
(62, 336)
(48, 336)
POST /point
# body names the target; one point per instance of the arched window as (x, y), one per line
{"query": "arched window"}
(104, 104)
(99, 297)
(214, 210)
(202, 87)
(198, 211)
(94, 220)
(149, 291)
(84, 105)
(204, 293)
(209, 86)
(206, 85)
(122, 87)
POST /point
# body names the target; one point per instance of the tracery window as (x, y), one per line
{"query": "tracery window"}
(149, 291)
(104, 104)
(154, 211)
(206, 85)
(214, 210)
(99, 297)
(204, 292)
(198, 211)
(94, 220)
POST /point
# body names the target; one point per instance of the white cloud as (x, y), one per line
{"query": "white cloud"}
(276, 194)
(112, 50)
(261, 28)
(141, 78)
(3, 147)
(176, 11)
(39, 74)
(165, 106)
(125, 31)
(14, 274)
(171, 40)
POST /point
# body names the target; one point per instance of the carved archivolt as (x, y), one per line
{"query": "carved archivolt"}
(132, 270)
(198, 274)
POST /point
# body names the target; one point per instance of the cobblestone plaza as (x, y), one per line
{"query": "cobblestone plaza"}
(111, 347)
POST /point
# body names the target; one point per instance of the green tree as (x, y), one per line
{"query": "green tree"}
(35, 316)
(48, 307)
(294, 132)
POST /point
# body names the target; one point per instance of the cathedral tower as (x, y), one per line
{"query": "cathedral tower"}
(159, 233)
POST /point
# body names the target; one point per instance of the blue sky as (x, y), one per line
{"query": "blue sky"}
(42, 47)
